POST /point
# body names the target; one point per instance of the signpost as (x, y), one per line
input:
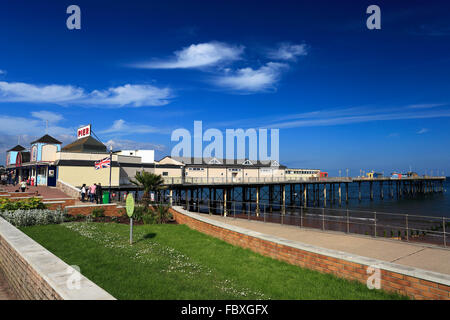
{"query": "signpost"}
(130, 211)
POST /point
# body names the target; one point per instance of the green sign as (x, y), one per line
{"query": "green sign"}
(130, 205)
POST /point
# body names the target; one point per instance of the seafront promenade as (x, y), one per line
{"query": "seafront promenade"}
(415, 255)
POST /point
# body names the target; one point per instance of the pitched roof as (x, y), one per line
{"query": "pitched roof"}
(17, 148)
(87, 144)
(47, 139)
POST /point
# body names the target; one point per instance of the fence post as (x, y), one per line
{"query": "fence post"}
(375, 223)
(264, 211)
(234, 209)
(301, 217)
(348, 222)
(323, 219)
(407, 228)
(443, 228)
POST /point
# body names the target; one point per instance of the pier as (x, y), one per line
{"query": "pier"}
(312, 192)
(316, 193)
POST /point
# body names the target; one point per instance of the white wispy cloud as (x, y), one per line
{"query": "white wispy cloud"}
(130, 95)
(33, 126)
(51, 117)
(2, 71)
(422, 131)
(333, 117)
(124, 144)
(425, 105)
(126, 95)
(288, 51)
(122, 127)
(197, 56)
(250, 80)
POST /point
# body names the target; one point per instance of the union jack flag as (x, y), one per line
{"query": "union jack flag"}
(104, 163)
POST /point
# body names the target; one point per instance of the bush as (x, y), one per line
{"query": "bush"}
(162, 214)
(149, 218)
(23, 218)
(25, 204)
(139, 213)
(98, 212)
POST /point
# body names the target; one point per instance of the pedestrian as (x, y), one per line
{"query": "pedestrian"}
(92, 192)
(83, 192)
(99, 193)
(23, 185)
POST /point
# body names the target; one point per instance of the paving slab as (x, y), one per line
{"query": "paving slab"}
(408, 254)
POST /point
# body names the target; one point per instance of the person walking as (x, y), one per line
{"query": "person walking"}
(83, 192)
(99, 193)
(92, 192)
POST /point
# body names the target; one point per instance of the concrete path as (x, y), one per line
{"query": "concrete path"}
(414, 255)
(5, 291)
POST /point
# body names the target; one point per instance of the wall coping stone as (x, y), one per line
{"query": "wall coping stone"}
(51, 268)
(388, 266)
(91, 205)
(69, 185)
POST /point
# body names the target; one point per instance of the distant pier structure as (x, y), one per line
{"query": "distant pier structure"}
(283, 193)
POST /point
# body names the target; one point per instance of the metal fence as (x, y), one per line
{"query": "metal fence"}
(403, 227)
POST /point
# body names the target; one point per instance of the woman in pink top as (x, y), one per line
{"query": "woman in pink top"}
(92, 192)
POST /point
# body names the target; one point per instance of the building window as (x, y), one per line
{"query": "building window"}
(165, 173)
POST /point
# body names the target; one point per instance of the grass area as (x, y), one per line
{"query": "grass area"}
(175, 262)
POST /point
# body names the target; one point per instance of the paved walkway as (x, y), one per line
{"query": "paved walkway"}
(46, 192)
(414, 255)
(5, 291)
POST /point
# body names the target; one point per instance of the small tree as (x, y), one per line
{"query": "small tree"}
(149, 182)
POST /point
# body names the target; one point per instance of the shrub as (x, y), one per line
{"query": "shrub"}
(149, 218)
(98, 212)
(25, 204)
(30, 217)
(139, 212)
(162, 214)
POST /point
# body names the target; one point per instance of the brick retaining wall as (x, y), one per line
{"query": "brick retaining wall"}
(415, 283)
(111, 209)
(34, 273)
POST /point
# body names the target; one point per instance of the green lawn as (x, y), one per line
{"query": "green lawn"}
(175, 262)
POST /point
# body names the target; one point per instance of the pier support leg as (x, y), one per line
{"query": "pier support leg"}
(214, 202)
(324, 195)
(346, 192)
(381, 190)
(283, 199)
(305, 195)
(340, 194)
(371, 190)
(225, 211)
(359, 191)
(257, 201)
(170, 197)
(210, 201)
(271, 191)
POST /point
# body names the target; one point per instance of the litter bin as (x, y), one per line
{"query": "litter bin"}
(105, 196)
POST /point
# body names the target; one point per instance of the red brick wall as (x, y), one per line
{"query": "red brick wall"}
(23, 279)
(110, 210)
(390, 281)
(59, 204)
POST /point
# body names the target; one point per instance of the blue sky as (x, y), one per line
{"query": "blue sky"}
(342, 96)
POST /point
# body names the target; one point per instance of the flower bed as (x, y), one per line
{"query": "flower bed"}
(22, 218)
